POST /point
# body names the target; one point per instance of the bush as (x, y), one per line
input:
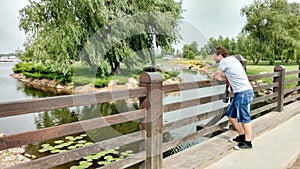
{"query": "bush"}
(32, 70)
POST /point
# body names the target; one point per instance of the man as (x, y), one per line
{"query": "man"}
(238, 111)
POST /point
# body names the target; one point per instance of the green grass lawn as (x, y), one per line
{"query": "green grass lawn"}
(264, 67)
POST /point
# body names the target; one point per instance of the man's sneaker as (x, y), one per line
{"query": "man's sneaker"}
(243, 146)
(239, 139)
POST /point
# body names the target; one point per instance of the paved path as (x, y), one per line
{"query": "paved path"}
(275, 149)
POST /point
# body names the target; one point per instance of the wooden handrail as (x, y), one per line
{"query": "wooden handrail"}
(149, 115)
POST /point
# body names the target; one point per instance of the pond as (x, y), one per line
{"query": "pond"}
(12, 90)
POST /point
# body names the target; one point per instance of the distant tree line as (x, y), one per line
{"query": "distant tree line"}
(272, 32)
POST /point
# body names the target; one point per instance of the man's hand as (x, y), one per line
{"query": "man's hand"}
(218, 75)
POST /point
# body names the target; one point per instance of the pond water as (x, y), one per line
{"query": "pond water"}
(12, 90)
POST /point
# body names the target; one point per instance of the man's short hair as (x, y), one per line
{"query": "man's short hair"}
(221, 50)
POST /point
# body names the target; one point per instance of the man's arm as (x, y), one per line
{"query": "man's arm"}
(218, 75)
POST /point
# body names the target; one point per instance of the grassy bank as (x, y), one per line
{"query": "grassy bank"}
(265, 67)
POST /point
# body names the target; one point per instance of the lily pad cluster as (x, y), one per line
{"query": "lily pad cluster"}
(69, 143)
(72, 142)
(102, 158)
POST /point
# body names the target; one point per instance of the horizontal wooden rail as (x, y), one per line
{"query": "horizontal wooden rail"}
(264, 87)
(292, 98)
(292, 72)
(190, 103)
(264, 98)
(52, 103)
(292, 80)
(68, 129)
(190, 85)
(76, 154)
(264, 108)
(264, 75)
(149, 117)
(291, 90)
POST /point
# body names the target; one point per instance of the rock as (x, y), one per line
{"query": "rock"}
(112, 83)
(89, 88)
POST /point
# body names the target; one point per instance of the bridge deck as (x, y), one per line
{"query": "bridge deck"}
(276, 146)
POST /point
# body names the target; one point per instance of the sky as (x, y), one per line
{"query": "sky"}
(202, 19)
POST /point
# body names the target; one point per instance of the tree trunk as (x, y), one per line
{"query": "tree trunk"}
(117, 69)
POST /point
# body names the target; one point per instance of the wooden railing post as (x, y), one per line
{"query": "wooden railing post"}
(152, 102)
(280, 88)
(299, 77)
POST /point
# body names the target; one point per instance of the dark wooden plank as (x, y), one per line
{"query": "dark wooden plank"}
(292, 98)
(292, 72)
(264, 98)
(190, 103)
(264, 75)
(190, 85)
(292, 81)
(182, 122)
(264, 108)
(52, 103)
(263, 87)
(291, 90)
(76, 154)
(68, 129)
(208, 130)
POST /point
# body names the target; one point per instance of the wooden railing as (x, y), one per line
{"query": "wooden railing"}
(150, 115)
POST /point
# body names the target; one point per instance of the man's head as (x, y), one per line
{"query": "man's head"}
(220, 53)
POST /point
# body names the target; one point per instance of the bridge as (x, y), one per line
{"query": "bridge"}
(268, 111)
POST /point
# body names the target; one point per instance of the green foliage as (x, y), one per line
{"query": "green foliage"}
(32, 70)
(272, 29)
(169, 74)
(190, 51)
(102, 34)
(191, 55)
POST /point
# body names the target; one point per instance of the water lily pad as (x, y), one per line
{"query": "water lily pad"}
(81, 141)
(55, 151)
(42, 150)
(45, 145)
(70, 138)
(88, 143)
(72, 147)
(104, 162)
(59, 146)
(58, 141)
(89, 158)
(79, 145)
(85, 164)
(78, 138)
(83, 135)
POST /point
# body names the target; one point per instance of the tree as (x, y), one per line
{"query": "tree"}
(272, 27)
(229, 44)
(190, 50)
(101, 33)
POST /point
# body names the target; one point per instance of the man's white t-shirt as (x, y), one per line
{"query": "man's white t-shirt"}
(235, 74)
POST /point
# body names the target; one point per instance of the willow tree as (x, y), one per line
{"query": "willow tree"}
(100, 33)
(272, 29)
